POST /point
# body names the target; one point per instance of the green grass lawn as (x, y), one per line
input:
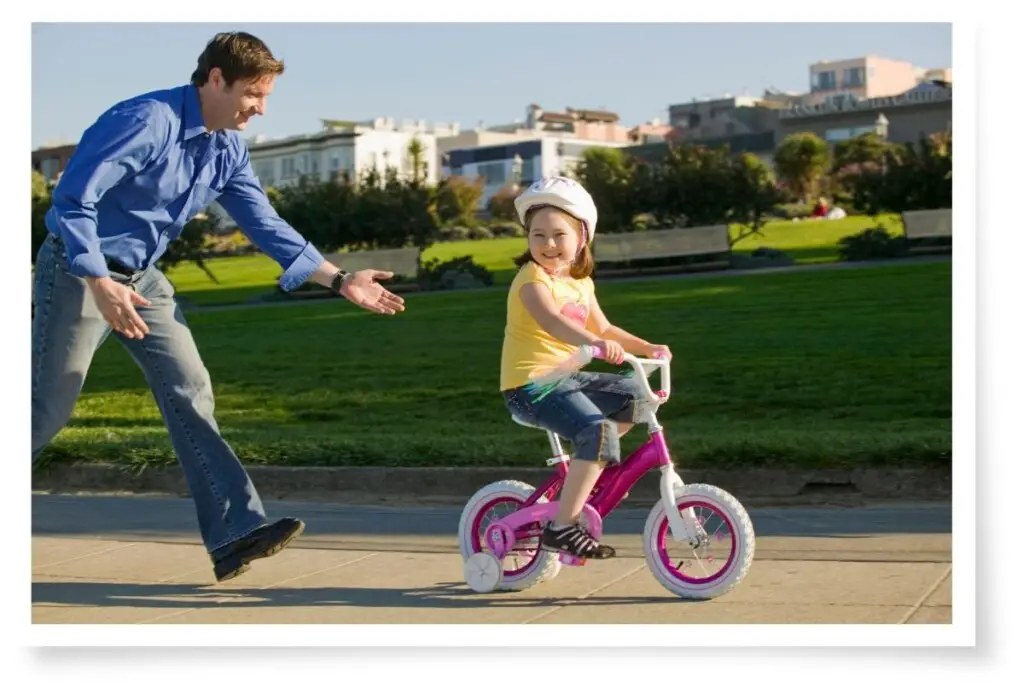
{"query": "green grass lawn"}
(820, 368)
(810, 241)
(244, 277)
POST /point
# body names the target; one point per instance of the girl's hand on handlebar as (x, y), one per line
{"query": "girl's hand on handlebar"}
(659, 351)
(611, 350)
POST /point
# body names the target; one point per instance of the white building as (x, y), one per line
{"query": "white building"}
(530, 160)
(347, 147)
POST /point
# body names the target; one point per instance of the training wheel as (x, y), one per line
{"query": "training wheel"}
(483, 572)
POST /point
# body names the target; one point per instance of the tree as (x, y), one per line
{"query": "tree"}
(801, 162)
(753, 193)
(910, 177)
(609, 174)
(457, 200)
(417, 161)
(863, 149)
(693, 186)
(501, 205)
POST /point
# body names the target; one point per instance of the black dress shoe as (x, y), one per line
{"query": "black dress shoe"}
(234, 559)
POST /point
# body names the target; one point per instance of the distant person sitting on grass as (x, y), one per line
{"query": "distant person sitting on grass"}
(820, 209)
(145, 168)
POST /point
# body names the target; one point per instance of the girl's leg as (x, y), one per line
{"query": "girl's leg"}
(568, 412)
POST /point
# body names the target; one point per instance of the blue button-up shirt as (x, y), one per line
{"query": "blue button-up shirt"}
(147, 167)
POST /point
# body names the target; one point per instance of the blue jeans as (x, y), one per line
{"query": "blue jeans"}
(584, 409)
(68, 328)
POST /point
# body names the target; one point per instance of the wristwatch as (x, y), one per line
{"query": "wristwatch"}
(338, 279)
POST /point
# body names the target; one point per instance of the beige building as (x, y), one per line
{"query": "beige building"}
(866, 78)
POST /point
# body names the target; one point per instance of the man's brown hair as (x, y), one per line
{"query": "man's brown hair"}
(239, 56)
(582, 266)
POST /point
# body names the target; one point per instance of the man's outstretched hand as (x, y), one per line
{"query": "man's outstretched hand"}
(362, 289)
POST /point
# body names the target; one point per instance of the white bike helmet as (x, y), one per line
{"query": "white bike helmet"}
(562, 193)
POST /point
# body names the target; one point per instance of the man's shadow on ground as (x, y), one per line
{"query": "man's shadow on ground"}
(199, 596)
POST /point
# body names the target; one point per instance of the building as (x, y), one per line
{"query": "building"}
(921, 110)
(51, 161)
(865, 78)
(576, 124)
(520, 162)
(761, 145)
(651, 132)
(722, 117)
(347, 147)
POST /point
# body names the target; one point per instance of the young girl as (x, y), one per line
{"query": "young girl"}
(552, 311)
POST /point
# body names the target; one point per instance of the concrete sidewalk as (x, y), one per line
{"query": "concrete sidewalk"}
(137, 559)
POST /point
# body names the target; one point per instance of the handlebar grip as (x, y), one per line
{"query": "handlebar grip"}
(596, 352)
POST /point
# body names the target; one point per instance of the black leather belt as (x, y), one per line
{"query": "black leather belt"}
(115, 267)
(112, 265)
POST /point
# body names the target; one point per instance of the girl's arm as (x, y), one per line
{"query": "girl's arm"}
(599, 323)
(541, 305)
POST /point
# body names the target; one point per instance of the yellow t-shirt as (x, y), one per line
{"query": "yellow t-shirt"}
(528, 350)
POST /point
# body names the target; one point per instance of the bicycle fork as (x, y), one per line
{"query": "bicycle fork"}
(684, 525)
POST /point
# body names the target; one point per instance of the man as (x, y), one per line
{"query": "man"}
(145, 168)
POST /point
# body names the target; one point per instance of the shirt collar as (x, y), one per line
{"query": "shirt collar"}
(194, 125)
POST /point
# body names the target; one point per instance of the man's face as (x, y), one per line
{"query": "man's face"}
(240, 101)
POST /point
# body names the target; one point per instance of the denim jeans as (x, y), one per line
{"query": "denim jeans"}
(68, 328)
(584, 409)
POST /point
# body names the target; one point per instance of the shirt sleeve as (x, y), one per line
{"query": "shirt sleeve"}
(116, 147)
(246, 202)
(530, 273)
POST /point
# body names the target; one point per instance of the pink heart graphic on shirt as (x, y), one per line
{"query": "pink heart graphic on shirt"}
(577, 312)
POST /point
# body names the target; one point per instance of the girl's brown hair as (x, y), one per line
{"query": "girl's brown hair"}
(582, 266)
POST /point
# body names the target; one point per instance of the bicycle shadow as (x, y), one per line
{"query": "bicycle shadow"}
(199, 596)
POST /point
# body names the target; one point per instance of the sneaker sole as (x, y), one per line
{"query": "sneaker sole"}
(553, 549)
(269, 552)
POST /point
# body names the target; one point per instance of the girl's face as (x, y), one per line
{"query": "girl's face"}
(554, 239)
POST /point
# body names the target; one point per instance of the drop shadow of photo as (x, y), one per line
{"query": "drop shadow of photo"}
(199, 596)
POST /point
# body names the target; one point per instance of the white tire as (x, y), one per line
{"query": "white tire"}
(743, 538)
(543, 568)
(482, 572)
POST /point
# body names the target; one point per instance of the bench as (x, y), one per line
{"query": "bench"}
(402, 262)
(628, 250)
(929, 230)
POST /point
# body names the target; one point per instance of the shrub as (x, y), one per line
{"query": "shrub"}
(508, 230)
(480, 232)
(457, 273)
(873, 243)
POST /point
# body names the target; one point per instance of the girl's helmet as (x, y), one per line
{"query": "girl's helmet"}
(562, 193)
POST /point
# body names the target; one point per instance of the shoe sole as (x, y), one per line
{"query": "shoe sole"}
(269, 552)
(553, 549)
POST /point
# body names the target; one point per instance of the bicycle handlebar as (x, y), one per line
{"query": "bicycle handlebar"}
(589, 352)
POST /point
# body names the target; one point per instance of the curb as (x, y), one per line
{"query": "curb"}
(760, 484)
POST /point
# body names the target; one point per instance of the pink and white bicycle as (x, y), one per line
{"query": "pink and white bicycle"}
(698, 540)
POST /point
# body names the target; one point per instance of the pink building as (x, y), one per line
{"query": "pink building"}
(867, 77)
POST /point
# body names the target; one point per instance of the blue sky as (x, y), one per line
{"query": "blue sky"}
(456, 72)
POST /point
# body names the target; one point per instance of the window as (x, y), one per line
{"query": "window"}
(265, 172)
(853, 78)
(50, 167)
(493, 172)
(826, 80)
(837, 134)
(288, 167)
(335, 162)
